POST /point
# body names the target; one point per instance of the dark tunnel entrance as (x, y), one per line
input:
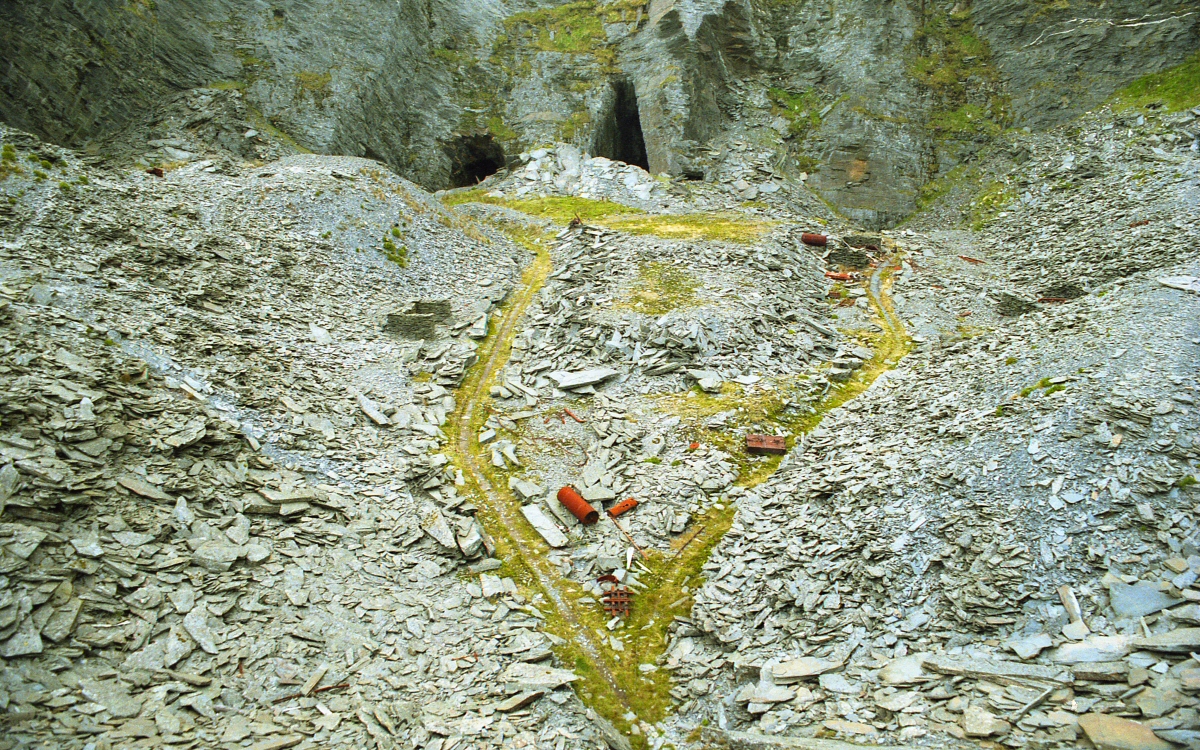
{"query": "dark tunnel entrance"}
(473, 158)
(619, 133)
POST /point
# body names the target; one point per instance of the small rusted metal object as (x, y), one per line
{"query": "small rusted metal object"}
(1141, 223)
(624, 506)
(810, 238)
(841, 275)
(616, 598)
(759, 444)
(573, 415)
(579, 507)
(156, 171)
(972, 261)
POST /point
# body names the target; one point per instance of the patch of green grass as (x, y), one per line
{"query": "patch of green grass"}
(704, 226)
(557, 208)
(8, 161)
(1187, 481)
(316, 84)
(1177, 88)
(1043, 384)
(801, 110)
(967, 119)
(989, 203)
(573, 28)
(397, 254)
(663, 287)
(574, 125)
(955, 64)
(1010, 361)
(497, 128)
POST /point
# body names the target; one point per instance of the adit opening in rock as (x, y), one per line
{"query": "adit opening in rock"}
(473, 158)
(619, 133)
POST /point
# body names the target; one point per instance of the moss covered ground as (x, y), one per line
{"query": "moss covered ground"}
(697, 226)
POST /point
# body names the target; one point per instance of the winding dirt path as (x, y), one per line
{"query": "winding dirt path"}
(521, 549)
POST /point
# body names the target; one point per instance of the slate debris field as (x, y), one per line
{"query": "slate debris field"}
(231, 517)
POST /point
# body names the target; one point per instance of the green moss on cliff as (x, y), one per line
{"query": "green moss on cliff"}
(316, 84)
(955, 64)
(574, 28)
(1176, 88)
(573, 125)
(802, 110)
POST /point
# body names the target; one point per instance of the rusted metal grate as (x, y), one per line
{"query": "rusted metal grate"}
(616, 598)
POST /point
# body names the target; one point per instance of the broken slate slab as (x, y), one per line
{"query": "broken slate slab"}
(371, 409)
(1181, 641)
(525, 489)
(520, 700)
(802, 668)
(196, 625)
(522, 677)
(144, 488)
(996, 670)
(906, 670)
(1097, 648)
(1028, 648)
(1140, 599)
(112, 695)
(568, 380)
(434, 524)
(977, 721)
(1114, 733)
(544, 526)
(1102, 671)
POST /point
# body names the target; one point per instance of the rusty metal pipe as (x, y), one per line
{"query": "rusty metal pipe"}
(809, 238)
(622, 507)
(579, 507)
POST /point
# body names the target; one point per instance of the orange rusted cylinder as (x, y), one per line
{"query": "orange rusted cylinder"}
(809, 238)
(622, 507)
(579, 507)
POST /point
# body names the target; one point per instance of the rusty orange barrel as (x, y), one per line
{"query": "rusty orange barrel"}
(579, 507)
(809, 238)
(622, 507)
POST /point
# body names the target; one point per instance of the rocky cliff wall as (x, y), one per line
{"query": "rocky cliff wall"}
(873, 98)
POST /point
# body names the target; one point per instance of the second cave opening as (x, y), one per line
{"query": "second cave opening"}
(619, 133)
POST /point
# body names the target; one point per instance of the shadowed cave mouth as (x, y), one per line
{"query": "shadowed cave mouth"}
(473, 158)
(619, 132)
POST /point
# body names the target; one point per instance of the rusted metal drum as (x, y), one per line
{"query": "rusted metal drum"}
(579, 507)
(622, 507)
(814, 239)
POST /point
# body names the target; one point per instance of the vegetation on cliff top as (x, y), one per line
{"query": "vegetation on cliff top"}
(1177, 88)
